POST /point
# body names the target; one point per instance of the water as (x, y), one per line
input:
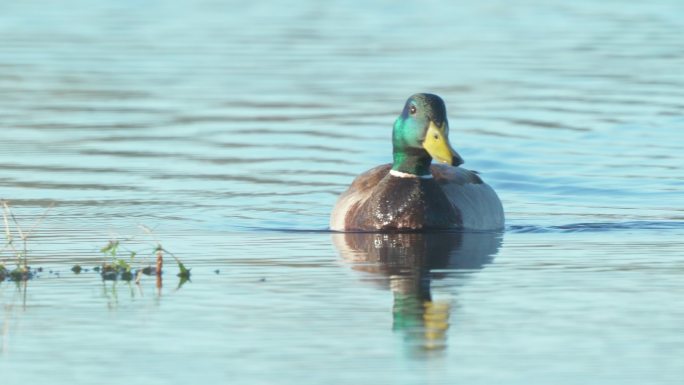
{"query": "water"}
(231, 128)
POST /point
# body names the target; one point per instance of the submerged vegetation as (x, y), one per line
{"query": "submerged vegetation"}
(120, 261)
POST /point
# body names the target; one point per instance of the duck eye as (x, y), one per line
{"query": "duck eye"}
(412, 110)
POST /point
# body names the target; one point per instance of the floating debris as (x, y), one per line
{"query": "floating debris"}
(118, 270)
(109, 272)
(127, 275)
(76, 269)
(21, 273)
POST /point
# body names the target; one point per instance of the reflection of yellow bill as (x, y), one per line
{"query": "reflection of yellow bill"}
(436, 143)
(436, 319)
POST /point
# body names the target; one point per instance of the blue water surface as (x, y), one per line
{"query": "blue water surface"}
(228, 129)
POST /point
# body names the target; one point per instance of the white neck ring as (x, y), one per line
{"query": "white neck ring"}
(400, 174)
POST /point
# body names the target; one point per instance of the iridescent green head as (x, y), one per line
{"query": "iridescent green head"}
(421, 133)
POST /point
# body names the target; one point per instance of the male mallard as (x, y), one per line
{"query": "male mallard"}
(412, 194)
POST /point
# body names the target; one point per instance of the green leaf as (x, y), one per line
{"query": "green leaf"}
(110, 248)
(184, 272)
(122, 265)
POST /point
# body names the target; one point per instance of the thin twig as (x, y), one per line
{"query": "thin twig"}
(8, 230)
(168, 252)
(40, 220)
(8, 233)
(24, 236)
(14, 219)
(149, 232)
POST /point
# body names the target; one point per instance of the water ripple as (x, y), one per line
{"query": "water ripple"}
(599, 227)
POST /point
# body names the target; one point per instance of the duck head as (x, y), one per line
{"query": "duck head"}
(421, 133)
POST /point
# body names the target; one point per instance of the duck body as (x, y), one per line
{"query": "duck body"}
(452, 199)
(412, 194)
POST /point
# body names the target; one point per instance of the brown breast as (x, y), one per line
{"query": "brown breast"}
(403, 204)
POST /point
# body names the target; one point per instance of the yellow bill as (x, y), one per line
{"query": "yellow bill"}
(436, 143)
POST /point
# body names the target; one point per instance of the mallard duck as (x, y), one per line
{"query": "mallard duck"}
(412, 194)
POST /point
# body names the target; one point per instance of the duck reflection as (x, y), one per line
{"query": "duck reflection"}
(412, 261)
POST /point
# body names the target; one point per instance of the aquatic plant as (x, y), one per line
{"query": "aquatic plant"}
(121, 268)
(184, 273)
(22, 272)
(119, 262)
